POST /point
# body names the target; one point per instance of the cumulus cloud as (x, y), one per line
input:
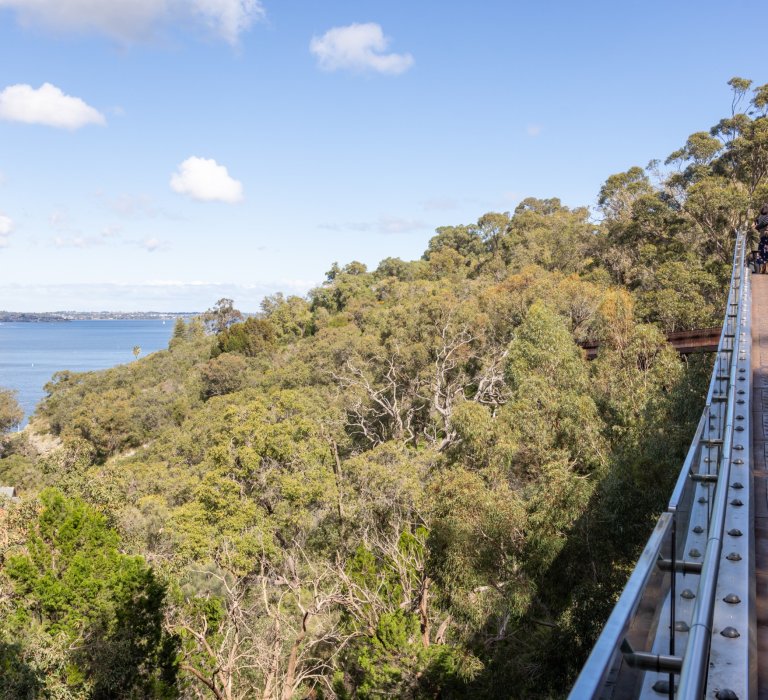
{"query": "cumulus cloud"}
(205, 180)
(6, 229)
(47, 105)
(229, 18)
(131, 20)
(359, 48)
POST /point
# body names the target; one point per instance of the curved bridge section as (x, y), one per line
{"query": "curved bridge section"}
(685, 624)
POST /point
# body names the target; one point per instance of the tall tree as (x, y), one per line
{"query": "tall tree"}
(221, 316)
(11, 414)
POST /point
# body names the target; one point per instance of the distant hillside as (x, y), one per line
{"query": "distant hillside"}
(30, 317)
(21, 317)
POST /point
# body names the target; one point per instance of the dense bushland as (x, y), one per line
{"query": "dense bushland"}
(410, 484)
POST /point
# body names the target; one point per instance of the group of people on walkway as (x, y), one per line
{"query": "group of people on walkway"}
(760, 256)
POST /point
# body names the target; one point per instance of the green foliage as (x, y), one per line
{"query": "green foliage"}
(11, 413)
(99, 612)
(121, 407)
(223, 374)
(254, 336)
(221, 316)
(290, 317)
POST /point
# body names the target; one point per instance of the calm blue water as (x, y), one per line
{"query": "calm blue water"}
(31, 352)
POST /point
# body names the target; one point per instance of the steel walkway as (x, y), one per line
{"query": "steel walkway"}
(692, 621)
(760, 470)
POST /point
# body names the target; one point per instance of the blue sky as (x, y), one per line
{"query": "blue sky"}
(160, 154)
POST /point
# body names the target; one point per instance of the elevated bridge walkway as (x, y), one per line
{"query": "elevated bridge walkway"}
(692, 621)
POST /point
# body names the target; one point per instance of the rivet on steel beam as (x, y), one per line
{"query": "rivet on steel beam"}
(737, 485)
(739, 417)
(702, 499)
(688, 594)
(736, 502)
(730, 632)
(732, 599)
(741, 392)
(698, 529)
(738, 447)
(741, 402)
(694, 553)
(734, 556)
(735, 532)
(681, 626)
(739, 428)
(662, 687)
(726, 694)
(707, 460)
(738, 461)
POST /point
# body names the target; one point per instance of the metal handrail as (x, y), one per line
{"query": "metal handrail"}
(595, 671)
(682, 479)
(693, 675)
(695, 659)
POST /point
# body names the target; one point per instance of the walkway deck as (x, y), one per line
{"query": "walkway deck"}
(760, 469)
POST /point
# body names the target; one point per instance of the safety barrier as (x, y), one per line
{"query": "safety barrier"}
(681, 625)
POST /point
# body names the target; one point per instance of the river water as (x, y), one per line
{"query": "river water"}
(31, 352)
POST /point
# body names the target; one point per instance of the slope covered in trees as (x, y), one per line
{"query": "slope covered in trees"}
(409, 484)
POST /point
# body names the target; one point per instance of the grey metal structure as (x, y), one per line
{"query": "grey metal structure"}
(683, 626)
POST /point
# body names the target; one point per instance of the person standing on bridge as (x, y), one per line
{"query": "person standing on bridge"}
(761, 224)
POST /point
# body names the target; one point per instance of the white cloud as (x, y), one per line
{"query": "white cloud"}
(384, 224)
(358, 47)
(59, 219)
(77, 241)
(6, 225)
(112, 231)
(149, 243)
(131, 20)
(207, 181)
(440, 204)
(6, 229)
(229, 18)
(133, 206)
(157, 296)
(47, 105)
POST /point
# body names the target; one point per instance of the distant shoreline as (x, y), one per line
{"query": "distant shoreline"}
(63, 316)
